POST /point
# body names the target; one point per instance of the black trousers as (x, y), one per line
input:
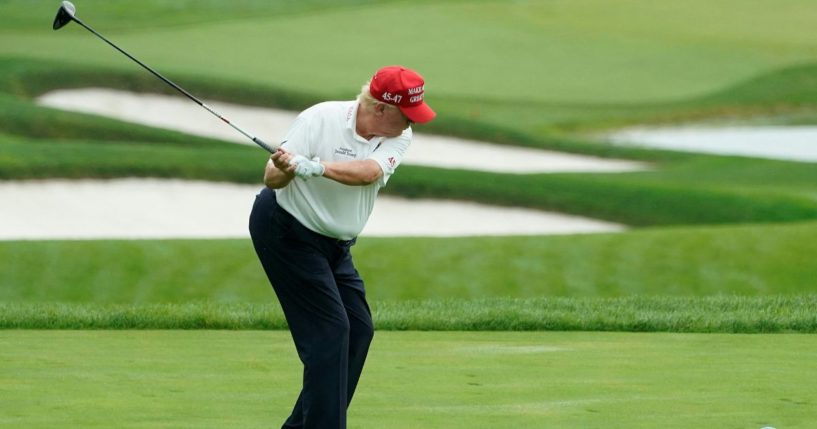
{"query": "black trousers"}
(324, 302)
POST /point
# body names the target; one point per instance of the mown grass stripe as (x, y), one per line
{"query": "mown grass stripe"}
(723, 314)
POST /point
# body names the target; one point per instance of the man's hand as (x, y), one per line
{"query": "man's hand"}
(306, 168)
(278, 172)
(282, 160)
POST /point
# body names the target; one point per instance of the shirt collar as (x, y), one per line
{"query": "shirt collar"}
(351, 125)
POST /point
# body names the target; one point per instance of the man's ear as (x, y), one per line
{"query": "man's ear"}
(379, 108)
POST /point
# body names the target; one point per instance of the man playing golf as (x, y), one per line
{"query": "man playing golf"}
(320, 190)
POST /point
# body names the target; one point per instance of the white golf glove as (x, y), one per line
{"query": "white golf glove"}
(306, 168)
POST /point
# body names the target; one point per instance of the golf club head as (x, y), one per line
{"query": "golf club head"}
(64, 15)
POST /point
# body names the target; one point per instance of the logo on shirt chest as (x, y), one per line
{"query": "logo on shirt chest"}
(345, 151)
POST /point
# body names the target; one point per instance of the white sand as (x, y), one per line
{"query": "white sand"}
(181, 114)
(153, 208)
(147, 208)
(792, 143)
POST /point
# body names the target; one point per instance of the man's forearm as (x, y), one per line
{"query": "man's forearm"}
(275, 178)
(353, 173)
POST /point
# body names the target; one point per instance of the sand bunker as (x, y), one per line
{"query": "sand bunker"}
(154, 208)
(180, 114)
(791, 143)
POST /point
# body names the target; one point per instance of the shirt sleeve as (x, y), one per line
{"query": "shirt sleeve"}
(299, 139)
(390, 153)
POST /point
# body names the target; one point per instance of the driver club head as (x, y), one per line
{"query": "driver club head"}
(64, 15)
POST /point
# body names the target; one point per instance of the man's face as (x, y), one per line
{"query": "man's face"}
(389, 121)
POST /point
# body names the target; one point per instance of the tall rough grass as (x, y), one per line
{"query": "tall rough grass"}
(724, 314)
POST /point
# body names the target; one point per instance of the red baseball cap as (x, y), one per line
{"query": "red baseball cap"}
(404, 88)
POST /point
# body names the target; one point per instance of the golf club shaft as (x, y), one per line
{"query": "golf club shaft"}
(255, 139)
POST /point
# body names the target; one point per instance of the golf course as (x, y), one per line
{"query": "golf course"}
(702, 312)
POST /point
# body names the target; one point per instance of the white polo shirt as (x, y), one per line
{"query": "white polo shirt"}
(327, 130)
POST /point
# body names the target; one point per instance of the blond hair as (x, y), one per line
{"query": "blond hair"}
(367, 100)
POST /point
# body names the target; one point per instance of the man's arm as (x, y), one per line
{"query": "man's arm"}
(354, 173)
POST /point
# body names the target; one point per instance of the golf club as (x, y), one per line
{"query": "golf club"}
(67, 13)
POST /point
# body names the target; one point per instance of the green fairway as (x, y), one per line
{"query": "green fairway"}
(567, 42)
(533, 66)
(216, 379)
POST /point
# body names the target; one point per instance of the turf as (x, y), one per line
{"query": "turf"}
(540, 74)
(745, 260)
(595, 69)
(726, 279)
(594, 61)
(212, 379)
(568, 42)
(719, 314)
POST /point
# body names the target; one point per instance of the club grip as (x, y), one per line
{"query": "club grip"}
(264, 145)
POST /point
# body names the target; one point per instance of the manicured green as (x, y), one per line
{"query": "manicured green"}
(684, 279)
(590, 51)
(212, 379)
(637, 199)
(733, 260)
(534, 66)
(47, 158)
